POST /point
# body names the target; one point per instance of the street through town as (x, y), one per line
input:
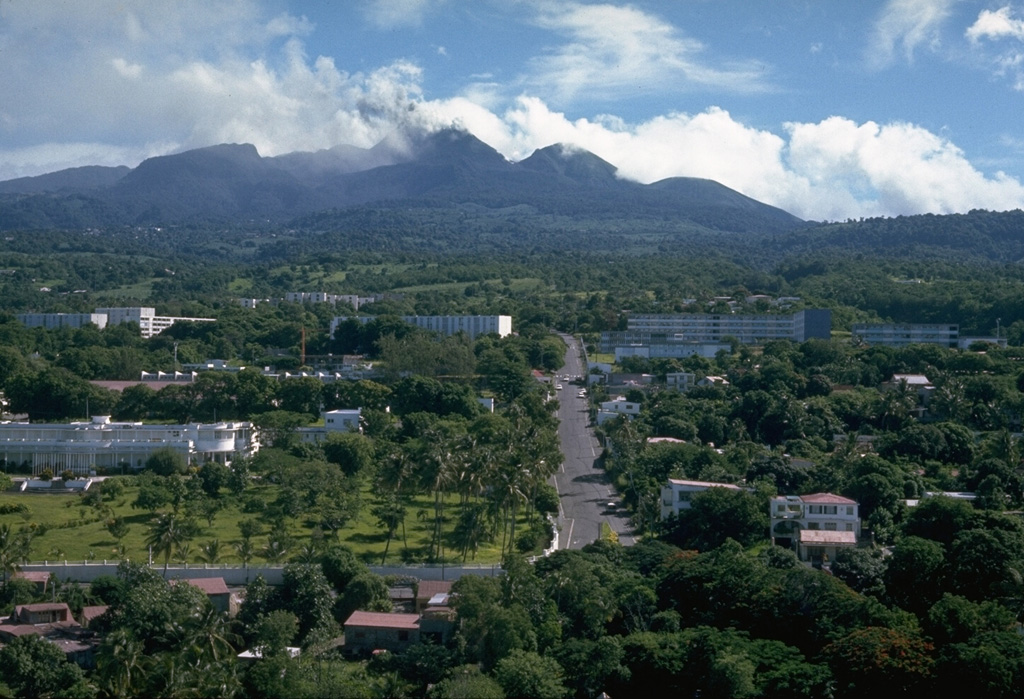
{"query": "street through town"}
(587, 495)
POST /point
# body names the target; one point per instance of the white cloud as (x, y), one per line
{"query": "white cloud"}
(1006, 61)
(833, 169)
(616, 52)
(906, 25)
(996, 25)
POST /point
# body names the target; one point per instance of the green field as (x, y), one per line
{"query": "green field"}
(68, 529)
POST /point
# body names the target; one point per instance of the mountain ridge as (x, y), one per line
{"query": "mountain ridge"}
(447, 168)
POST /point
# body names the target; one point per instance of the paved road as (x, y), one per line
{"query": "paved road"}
(581, 482)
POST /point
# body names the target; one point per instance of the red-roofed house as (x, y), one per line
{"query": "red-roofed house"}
(825, 512)
(366, 632)
(214, 588)
(38, 577)
(44, 613)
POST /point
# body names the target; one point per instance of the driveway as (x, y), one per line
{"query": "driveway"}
(587, 496)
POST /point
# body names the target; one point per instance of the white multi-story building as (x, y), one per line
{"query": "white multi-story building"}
(335, 421)
(684, 334)
(818, 512)
(903, 334)
(747, 329)
(678, 493)
(473, 326)
(83, 447)
(149, 322)
(51, 321)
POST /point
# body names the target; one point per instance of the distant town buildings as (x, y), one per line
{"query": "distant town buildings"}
(472, 326)
(149, 323)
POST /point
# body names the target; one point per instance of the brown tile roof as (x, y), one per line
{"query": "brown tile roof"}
(42, 607)
(384, 620)
(429, 588)
(36, 576)
(91, 612)
(211, 586)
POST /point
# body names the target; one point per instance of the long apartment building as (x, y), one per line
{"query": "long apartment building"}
(52, 321)
(473, 326)
(664, 330)
(83, 447)
(149, 322)
(903, 334)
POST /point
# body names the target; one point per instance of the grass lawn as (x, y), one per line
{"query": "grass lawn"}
(74, 532)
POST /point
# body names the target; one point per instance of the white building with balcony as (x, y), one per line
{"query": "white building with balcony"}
(797, 519)
(84, 447)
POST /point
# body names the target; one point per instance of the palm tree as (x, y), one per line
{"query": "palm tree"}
(120, 659)
(8, 551)
(166, 533)
(210, 552)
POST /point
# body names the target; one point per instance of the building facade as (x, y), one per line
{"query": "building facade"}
(903, 334)
(473, 326)
(684, 334)
(51, 321)
(677, 494)
(149, 322)
(84, 447)
(791, 514)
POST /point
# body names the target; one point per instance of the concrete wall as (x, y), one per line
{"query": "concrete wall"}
(236, 575)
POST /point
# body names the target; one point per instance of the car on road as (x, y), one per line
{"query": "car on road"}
(558, 387)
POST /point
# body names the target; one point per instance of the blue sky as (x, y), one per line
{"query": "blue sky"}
(829, 109)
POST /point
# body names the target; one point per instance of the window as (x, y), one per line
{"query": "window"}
(684, 496)
(830, 526)
(403, 635)
(849, 510)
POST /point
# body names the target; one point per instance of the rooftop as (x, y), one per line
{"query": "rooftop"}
(820, 536)
(826, 499)
(211, 586)
(384, 620)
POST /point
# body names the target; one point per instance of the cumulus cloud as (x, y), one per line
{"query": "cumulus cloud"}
(906, 25)
(615, 51)
(830, 170)
(995, 26)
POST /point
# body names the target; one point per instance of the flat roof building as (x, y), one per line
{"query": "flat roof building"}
(82, 447)
(473, 326)
(684, 334)
(903, 334)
